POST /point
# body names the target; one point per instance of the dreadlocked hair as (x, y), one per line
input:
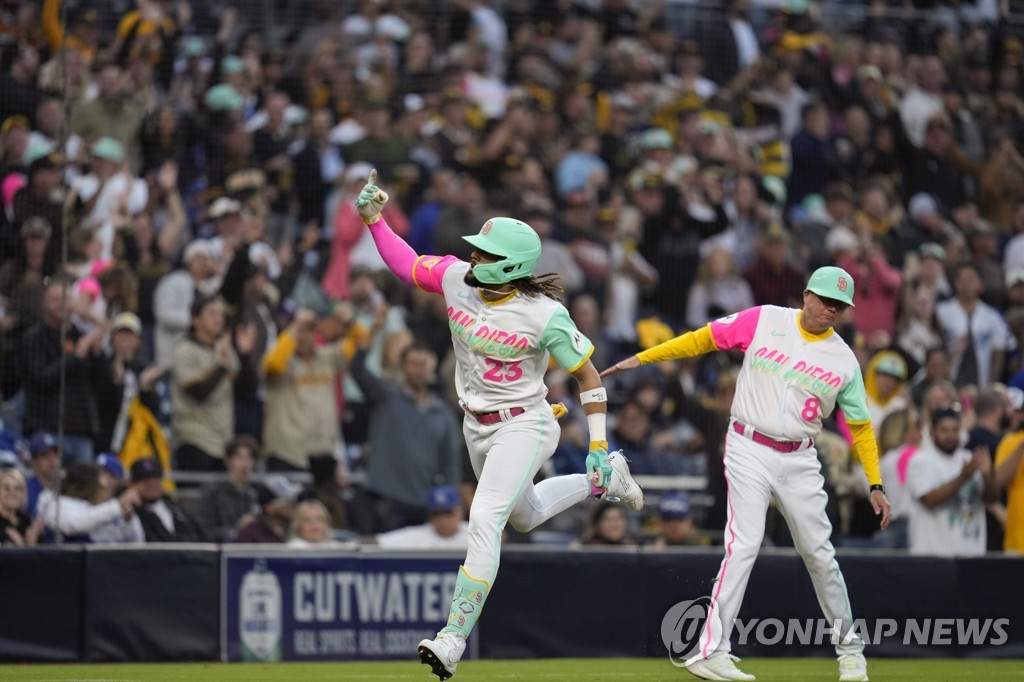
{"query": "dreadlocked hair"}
(534, 286)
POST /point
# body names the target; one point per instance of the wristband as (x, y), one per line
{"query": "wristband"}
(597, 395)
(370, 221)
(877, 486)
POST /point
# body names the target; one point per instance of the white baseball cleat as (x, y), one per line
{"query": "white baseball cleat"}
(720, 666)
(853, 668)
(621, 485)
(442, 653)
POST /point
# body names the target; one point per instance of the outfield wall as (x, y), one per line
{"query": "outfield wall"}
(207, 603)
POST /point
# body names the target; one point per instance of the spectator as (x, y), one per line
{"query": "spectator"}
(42, 356)
(163, 520)
(226, 506)
(899, 440)
(330, 478)
(923, 101)
(974, 331)
(632, 433)
(730, 45)
(301, 407)
(931, 168)
(935, 369)
(175, 293)
(1009, 473)
(40, 197)
(773, 279)
(128, 387)
(917, 328)
(18, 81)
(276, 499)
(884, 381)
(810, 149)
(875, 301)
(404, 464)
(318, 168)
(311, 527)
(445, 528)
(86, 510)
(115, 113)
(202, 369)
(675, 523)
(16, 526)
(932, 270)
(718, 291)
(109, 194)
(607, 526)
(949, 487)
(21, 288)
(45, 452)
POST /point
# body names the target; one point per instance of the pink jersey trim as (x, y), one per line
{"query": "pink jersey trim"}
(736, 331)
(428, 272)
(903, 463)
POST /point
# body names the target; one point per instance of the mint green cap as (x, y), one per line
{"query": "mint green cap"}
(109, 149)
(832, 282)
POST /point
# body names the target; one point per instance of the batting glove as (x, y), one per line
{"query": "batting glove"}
(597, 461)
(371, 200)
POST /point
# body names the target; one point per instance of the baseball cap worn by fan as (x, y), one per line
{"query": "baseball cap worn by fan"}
(127, 322)
(42, 442)
(1014, 277)
(146, 468)
(442, 498)
(892, 365)
(110, 462)
(199, 247)
(224, 206)
(832, 282)
(108, 149)
(674, 506)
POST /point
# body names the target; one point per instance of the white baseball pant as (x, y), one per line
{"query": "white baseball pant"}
(506, 457)
(753, 473)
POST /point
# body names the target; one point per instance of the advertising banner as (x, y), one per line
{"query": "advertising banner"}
(327, 606)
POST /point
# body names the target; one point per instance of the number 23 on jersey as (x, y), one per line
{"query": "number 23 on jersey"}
(502, 371)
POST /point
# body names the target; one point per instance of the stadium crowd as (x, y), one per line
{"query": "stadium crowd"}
(179, 242)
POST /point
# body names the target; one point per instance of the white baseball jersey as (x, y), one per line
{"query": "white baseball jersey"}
(790, 379)
(501, 347)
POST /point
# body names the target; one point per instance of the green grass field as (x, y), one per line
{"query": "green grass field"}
(562, 670)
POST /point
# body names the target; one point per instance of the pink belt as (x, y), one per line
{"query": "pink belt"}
(488, 418)
(768, 441)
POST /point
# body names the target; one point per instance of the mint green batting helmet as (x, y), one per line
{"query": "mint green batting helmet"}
(512, 239)
(832, 282)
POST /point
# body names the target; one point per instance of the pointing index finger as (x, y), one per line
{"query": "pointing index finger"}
(373, 177)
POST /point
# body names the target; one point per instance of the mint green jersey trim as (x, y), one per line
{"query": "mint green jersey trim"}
(567, 344)
(854, 399)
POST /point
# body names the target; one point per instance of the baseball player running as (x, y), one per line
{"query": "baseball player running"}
(795, 370)
(505, 322)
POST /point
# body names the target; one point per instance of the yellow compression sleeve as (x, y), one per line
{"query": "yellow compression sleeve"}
(688, 345)
(276, 361)
(866, 447)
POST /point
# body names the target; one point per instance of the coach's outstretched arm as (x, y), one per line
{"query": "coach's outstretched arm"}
(688, 345)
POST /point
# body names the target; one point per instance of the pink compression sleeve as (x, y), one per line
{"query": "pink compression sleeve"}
(398, 255)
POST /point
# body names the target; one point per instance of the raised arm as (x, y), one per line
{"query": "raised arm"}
(423, 271)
